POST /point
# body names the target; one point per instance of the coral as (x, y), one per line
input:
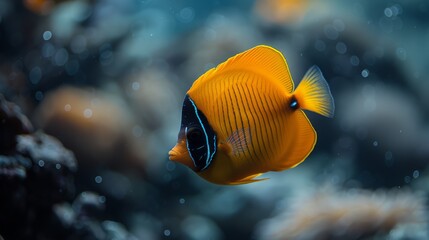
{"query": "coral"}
(37, 181)
(12, 123)
(352, 214)
(95, 126)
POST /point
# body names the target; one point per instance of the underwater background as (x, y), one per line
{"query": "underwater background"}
(91, 103)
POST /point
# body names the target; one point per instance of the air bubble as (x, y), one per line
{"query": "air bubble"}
(98, 179)
(67, 107)
(407, 179)
(61, 57)
(41, 163)
(87, 113)
(35, 75)
(186, 15)
(135, 86)
(47, 35)
(341, 48)
(416, 174)
(38, 95)
(388, 12)
(330, 32)
(388, 155)
(167, 232)
(339, 25)
(365, 73)
(354, 60)
(319, 45)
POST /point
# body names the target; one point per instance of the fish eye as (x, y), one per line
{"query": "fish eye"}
(294, 103)
(194, 134)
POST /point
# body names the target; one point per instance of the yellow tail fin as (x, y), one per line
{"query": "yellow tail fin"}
(313, 93)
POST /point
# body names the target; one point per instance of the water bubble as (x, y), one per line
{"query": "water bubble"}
(407, 179)
(388, 158)
(47, 35)
(106, 57)
(35, 75)
(416, 174)
(167, 232)
(354, 60)
(87, 113)
(365, 73)
(339, 25)
(396, 9)
(330, 32)
(186, 15)
(388, 12)
(182, 201)
(388, 155)
(61, 57)
(41, 163)
(67, 107)
(38, 95)
(58, 166)
(170, 166)
(210, 34)
(48, 50)
(375, 144)
(320, 45)
(135, 86)
(137, 131)
(98, 179)
(102, 199)
(341, 47)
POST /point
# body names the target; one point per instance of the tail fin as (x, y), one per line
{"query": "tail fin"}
(313, 93)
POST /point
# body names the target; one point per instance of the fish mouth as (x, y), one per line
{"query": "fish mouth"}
(173, 155)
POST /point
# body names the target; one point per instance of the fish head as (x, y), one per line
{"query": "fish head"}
(196, 145)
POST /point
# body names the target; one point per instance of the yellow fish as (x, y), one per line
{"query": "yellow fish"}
(244, 118)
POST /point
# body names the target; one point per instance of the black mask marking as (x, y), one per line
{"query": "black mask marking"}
(200, 137)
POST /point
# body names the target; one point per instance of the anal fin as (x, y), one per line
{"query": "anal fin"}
(249, 179)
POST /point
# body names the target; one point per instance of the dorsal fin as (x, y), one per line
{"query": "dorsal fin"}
(261, 59)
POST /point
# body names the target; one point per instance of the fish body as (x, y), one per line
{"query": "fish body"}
(244, 118)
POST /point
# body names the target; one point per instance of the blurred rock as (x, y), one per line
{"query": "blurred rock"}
(353, 214)
(386, 115)
(89, 204)
(96, 126)
(50, 178)
(198, 227)
(12, 123)
(35, 174)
